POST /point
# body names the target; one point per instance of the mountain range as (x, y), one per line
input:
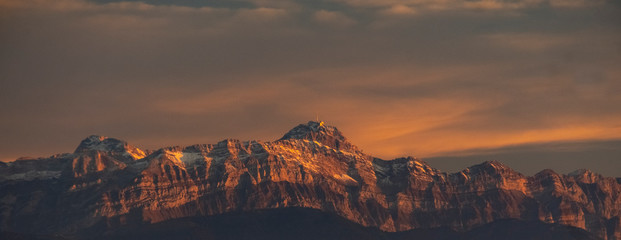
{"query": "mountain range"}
(310, 184)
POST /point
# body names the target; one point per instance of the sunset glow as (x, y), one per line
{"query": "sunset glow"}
(399, 77)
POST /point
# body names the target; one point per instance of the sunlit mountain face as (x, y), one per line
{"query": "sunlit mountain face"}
(313, 178)
(509, 109)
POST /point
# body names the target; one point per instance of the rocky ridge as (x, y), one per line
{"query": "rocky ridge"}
(108, 183)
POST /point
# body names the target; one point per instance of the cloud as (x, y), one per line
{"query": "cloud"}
(435, 5)
(575, 3)
(530, 41)
(333, 18)
(398, 77)
(399, 10)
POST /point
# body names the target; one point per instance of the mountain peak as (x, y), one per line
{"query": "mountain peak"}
(585, 175)
(580, 172)
(318, 131)
(106, 144)
(492, 167)
(101, 143)
(301, 131)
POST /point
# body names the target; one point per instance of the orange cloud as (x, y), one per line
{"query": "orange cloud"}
(166, 74)
(441, 142)
(399, 10)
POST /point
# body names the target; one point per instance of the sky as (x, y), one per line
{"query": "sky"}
(437, 79)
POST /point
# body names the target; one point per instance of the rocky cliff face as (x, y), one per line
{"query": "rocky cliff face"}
(109, 183)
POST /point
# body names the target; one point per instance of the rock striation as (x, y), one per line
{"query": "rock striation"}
(107, 183)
